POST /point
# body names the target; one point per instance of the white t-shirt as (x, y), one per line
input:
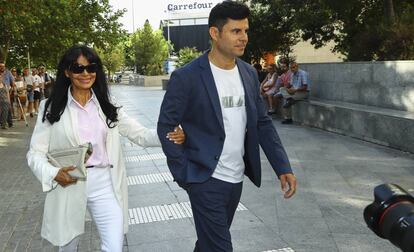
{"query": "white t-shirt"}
(19, 84)
(36, 82)
(230, 167)
(28, 79)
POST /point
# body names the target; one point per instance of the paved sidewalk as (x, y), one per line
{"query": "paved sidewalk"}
(336, 175)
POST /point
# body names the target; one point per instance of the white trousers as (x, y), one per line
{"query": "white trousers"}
(105, 211)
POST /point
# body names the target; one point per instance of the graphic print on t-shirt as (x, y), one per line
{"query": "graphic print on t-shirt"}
(232, 101)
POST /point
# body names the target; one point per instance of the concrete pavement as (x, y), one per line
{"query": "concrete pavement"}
(336, 175)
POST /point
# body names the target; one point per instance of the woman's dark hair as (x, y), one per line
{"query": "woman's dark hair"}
(56, 103)
(258, 67)
(220, 13)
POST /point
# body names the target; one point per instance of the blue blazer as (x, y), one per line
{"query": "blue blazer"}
(192, 100)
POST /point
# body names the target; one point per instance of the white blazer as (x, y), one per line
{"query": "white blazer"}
(65, 208)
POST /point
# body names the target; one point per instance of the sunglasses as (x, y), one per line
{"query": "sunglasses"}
(77, 69)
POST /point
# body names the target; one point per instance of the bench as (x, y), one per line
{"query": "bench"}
(393, 128)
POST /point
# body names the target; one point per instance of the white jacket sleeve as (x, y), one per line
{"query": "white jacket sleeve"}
(136, 132)
(36, 157)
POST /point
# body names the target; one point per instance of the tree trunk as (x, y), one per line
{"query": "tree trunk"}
(389, 11)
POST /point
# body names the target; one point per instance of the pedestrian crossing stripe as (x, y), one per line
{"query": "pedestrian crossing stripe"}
(145, 157)
(165, 212)
(149, 178)
(281, 250)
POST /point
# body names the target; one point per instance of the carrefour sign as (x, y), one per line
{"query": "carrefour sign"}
(189, 8)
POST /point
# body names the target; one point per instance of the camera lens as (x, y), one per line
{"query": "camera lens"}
(391, 216)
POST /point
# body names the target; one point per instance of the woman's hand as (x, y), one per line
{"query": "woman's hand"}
(63, 177)
(177, 136)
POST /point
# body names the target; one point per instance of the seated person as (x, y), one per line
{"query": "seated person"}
(282, 81)
(260, 73)
(268, 87)
(297, 89)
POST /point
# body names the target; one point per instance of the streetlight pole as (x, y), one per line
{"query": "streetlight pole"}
(168, 36)
(133, 17)
(28, 57)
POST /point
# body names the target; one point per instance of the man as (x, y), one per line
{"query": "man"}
(46, 82)
(296, 90)
(9, 81)
(29, 81)
(37, 85)
(216, 100)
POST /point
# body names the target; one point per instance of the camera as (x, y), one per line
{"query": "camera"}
(391, 216)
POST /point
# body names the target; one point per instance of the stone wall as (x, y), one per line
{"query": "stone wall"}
(373, 101)
(388, 84)
(147, 81)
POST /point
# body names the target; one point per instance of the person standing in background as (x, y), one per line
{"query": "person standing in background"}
(46, 80)
(36, 90)
(20, 95)
(29, 81)
(4, 102)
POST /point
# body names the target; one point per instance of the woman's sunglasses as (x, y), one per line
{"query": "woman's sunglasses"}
(77, 69)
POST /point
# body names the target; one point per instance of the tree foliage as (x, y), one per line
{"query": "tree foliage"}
(46, 28)
(112, 58)
(186, 55)
(149, 49)
(271, 29)
(361, 29)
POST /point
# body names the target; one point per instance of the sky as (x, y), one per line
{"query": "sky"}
(143, 9)
(156, 10)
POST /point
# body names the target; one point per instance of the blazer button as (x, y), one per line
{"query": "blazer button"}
(221, 139)
(216, 157)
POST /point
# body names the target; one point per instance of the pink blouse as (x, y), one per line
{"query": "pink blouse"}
(91, 128)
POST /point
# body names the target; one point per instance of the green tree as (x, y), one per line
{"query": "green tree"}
(112, 58)
(129, 55)
(186, 55)
(362, 30)
(270, 29)
(47, 30)
(150, 50)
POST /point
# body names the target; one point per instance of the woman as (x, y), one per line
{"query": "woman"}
(12, 91)
(268, 87)
(79, 110)
(20, 94)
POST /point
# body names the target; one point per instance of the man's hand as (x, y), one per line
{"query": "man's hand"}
(290, 179)
(63, 177)
(291, 91)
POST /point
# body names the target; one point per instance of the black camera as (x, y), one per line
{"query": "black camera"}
(391, 216)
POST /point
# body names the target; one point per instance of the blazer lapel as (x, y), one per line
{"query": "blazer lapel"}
(246, 79)
(70, 124)
(209, 83)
